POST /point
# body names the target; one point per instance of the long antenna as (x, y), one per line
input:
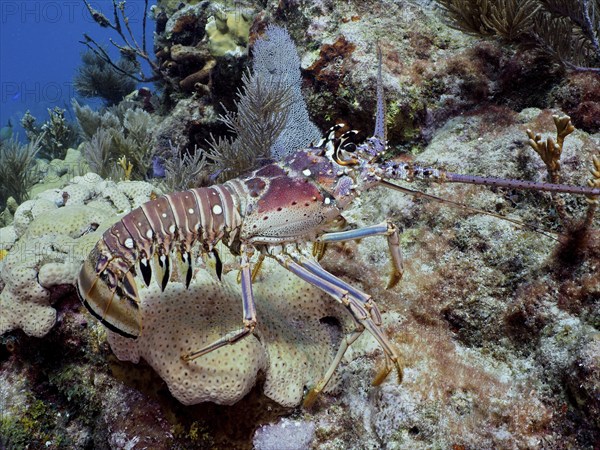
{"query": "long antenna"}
(411, 172)
(380, 129)
(518, 184)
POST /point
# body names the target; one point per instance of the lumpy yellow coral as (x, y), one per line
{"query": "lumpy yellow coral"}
(228, 33)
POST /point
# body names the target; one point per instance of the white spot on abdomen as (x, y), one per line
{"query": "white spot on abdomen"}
(129, 243)
(217, 209)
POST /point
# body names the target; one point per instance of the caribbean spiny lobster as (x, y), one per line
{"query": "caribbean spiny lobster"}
(273, 211)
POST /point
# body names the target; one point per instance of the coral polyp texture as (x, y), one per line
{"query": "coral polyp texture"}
(299, 330)
(47, 242)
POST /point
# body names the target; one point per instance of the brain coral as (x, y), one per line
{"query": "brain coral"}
(48, 241)
(293, 344)
(31, 272)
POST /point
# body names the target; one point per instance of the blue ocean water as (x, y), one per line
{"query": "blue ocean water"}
(40, 51)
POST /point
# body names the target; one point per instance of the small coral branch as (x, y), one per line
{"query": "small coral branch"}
(126, 166)
(550, 152)
(131, 49)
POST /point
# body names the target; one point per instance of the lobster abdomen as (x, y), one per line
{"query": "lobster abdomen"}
(172, 223)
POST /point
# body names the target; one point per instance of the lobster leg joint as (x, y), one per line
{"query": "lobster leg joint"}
(357, 303)
(249, 319)
(387, 229)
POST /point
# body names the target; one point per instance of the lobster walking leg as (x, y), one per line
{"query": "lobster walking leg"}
(369, 305)
(344, 345)
(364, 298)
(249, 319)
(358, 305)
(386, 228)
(348, 340)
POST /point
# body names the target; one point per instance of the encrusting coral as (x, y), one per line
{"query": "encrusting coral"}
(228, 32)
(291, 356)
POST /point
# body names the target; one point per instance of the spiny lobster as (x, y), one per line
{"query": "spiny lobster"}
(274, 211)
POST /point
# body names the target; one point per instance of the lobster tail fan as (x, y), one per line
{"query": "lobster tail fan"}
(115, 307)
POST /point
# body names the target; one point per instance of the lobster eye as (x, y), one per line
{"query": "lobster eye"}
(350, 147)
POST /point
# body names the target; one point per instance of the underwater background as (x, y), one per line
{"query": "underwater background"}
(41, 51)
(106, 105)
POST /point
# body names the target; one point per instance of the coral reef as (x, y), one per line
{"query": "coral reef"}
(200, 44)
(497, 324)
(271, 118)
(202, 52)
